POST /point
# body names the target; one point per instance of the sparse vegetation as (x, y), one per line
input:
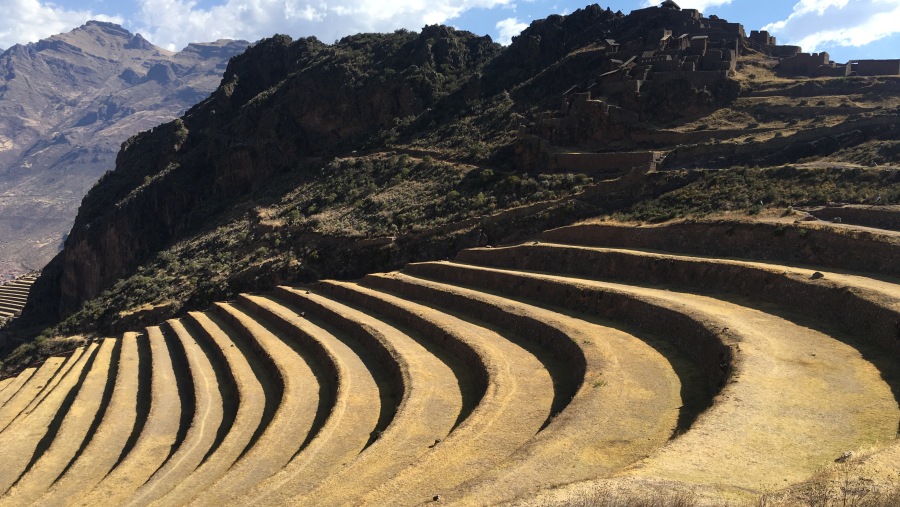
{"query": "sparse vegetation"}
(350, 199)
(752, 189)
(611, 498)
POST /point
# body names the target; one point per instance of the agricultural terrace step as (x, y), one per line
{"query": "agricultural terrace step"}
(863, 306)
(294, 419)
(13, 387)
(812, 243)
(109, 434)
(31, 390)
(249, 418)
(349, 390)
(10, 308)
(708, 347)
(625, 392)
(881, 217)
(204, 426)
(428, 411)
(74, 428)
(14, 288)
(157, 437)
(26, 439)
(788, 413)
(13, 296)
(513, 389)
(71, 360)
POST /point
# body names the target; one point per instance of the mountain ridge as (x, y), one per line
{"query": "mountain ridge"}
(67, 103)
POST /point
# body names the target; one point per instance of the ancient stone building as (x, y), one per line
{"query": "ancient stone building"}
(812, 65)
(875, 67)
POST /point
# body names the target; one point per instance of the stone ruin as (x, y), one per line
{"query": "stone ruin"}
(820, 65)
(813, 65)
(685, 53)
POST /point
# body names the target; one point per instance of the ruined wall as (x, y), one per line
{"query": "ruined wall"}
(804, 63)
(876, 67)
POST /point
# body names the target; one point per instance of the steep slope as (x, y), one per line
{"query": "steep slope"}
(66, 105)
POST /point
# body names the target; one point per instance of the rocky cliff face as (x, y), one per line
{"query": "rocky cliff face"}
(66, 105)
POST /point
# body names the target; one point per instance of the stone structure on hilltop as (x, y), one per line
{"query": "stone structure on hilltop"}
(820, 65)
(813, 65)
(667, 62)
(875, 67)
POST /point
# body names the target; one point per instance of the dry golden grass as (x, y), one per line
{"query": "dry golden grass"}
(612, 498)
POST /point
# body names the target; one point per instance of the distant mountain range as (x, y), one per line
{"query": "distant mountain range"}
(67, 103)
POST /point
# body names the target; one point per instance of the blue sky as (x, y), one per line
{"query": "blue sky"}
(847, 29)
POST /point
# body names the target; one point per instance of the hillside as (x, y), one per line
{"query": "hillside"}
(625, 256)
(283, 175)
(277, 173)
(66, 105)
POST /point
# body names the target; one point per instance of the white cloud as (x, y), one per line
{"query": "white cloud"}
(175, 23)
(26, 21)
(817, 23)
(700, 5)
(509, 28)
